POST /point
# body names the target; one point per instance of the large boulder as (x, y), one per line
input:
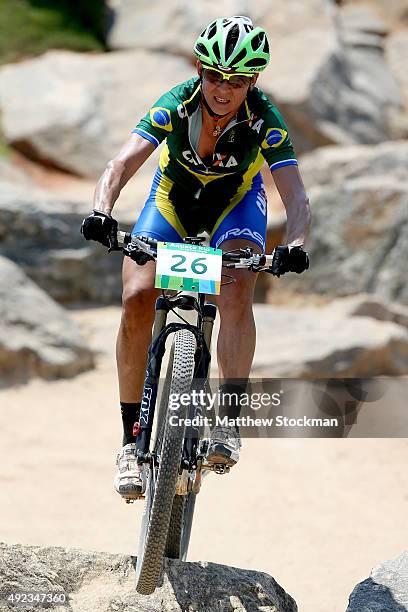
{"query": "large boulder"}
(328, 73)
(74, 111)
(101, 582)
(347, 338)
(359, 233)
(329, 78)
(11, 173)
(393, 12)
(173, 27)
(397, 53)
(42, 234)
(37, 338)
(386, 589)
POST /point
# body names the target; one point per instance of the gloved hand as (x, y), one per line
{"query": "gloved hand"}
(101, 227)
(289, 259)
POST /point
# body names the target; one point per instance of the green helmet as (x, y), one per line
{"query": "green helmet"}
(233, 44)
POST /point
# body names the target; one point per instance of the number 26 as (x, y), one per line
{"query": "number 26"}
(196, 265)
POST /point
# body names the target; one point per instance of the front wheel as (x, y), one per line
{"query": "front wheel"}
(163, 477)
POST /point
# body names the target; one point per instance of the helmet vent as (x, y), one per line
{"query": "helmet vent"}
(202, 49)
(266, 46)
(255, 62)
(257, 41)
(216, 50)
(212, 30)
(241, 55)
(231, 40)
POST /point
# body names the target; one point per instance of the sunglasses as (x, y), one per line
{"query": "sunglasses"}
(216, 77)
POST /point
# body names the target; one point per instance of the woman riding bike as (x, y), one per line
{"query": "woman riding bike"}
(219, 130)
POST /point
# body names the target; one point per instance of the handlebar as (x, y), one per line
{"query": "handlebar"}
(133, 246)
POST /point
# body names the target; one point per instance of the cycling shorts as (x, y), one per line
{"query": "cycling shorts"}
(171, 213)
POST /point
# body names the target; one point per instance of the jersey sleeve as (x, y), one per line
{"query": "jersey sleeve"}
(273, 138)
(160, 120)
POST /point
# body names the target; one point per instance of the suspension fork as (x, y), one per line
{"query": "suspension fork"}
(154, 360)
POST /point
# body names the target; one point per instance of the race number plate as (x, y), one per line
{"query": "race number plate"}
(188, 267)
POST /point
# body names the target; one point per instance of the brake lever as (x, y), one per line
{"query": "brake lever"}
(137, 255)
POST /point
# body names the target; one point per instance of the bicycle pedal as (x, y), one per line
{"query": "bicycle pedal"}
(221, 468)
(133, 500)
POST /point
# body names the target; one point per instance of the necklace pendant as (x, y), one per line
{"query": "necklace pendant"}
(217, 130)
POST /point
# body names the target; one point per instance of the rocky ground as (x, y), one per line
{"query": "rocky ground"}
(294, 508)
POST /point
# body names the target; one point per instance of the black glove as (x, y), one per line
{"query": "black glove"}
(293, 259)
(101, 227)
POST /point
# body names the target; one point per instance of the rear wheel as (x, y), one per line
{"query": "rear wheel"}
(181, 522)
(162, 480)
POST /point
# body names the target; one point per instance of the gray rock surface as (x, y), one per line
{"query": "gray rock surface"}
(329, 75)
(100, 582)
(359, 233)
(37, 337)
(74, 110)
(330, 81)
(347, 338)
(42, 235)
(397, 53)
(365, 305)
(174, 26)
(11, 173)
(386, 589)
(393, 12)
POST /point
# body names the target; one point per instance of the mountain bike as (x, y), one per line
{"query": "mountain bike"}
(174, 460)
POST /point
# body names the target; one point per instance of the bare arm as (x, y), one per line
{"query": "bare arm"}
(119, 170)
(292, 191)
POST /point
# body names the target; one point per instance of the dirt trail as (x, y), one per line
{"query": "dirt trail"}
(315, 514)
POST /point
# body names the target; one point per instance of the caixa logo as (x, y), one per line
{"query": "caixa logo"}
(145, 407)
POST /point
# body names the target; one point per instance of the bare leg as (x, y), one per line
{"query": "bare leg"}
(237, 336)
(135, 330)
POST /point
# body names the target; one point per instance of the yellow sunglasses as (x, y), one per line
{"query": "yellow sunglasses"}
(235, 79)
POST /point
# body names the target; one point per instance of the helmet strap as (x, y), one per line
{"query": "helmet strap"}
(209, 109)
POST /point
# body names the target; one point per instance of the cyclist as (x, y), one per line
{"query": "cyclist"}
(219, 129)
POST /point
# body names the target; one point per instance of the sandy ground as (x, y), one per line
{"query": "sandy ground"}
(315, 514)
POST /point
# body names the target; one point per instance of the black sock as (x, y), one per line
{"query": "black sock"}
(130, 414)
(230, 399)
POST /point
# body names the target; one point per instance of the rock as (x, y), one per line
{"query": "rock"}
(386, 589)
(174, 27)
(362, 18)
(393, 12)
(396, 48)
(42, 235)
(11, 173)
(37, 338)
(371, 306)
(101, 582)
(74, 111)
(341, 339)
(397, 53)
(359, 233)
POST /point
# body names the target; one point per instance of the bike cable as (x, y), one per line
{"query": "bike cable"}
(174, 310)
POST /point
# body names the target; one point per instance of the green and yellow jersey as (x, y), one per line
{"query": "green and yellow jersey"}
(257, 133)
